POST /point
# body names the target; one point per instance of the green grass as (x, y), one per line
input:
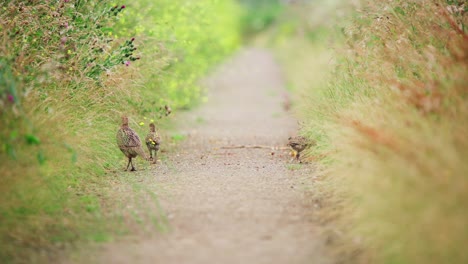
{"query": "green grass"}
(68, 71)
(178, 137)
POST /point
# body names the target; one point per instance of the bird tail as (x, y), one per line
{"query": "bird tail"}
(142, 153)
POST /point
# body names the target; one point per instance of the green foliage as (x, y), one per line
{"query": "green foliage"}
(68, 70)
(258, 15)
(121, 55)
(186, 38)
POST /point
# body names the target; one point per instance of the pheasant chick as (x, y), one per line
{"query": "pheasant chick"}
(153, 142)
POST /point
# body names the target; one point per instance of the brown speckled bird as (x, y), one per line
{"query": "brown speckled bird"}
(298, 144)
(153, 141)
(129, 143)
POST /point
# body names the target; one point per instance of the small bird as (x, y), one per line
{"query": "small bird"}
(129, 143)
(298, 144)
(153, 142)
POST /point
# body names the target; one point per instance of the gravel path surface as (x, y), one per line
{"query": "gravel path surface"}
(231, 205)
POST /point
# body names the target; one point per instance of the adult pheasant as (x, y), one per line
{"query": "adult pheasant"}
(153, 141)
(129, 143)
(298, 144)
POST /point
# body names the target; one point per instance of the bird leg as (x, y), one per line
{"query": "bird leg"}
(128, 164)
(155, 160)
(133, 168)
(297, 157)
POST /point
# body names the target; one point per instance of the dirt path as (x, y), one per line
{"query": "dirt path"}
(231, 205)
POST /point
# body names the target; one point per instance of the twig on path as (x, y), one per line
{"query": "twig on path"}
(255, 147)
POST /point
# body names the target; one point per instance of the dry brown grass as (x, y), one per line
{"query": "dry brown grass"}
(392, 123)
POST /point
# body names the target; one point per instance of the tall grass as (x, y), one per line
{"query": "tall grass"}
(391, 122)
(68, 70)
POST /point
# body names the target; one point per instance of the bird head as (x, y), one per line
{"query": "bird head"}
(124, 121)
(152, 127)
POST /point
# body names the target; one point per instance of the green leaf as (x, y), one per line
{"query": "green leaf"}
(107, 29)
(32, 140)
